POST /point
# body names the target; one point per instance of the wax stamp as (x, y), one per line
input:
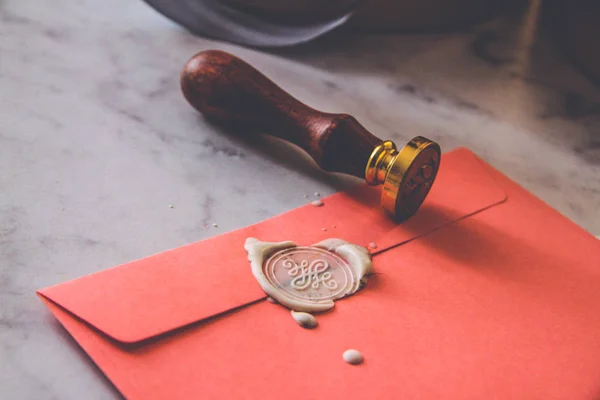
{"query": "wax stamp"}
(309, 278)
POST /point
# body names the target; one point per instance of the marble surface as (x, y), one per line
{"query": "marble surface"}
(96, 142)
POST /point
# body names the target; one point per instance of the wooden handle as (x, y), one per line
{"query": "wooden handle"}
(229, 91)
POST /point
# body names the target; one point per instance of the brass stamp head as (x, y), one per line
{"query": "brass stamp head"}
(407, 175)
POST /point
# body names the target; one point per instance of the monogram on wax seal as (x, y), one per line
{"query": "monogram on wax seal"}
(309, 278)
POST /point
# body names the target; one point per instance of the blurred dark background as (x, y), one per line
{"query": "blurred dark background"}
(573, 24)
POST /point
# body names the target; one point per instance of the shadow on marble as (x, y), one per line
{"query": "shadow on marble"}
(286, 155)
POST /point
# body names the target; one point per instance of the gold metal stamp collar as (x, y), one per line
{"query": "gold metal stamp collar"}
(407, 175)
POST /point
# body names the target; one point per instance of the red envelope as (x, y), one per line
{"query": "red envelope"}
(486, 293)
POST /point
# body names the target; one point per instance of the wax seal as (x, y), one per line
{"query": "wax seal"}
(309, 278)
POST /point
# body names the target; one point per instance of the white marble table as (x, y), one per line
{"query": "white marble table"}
(96, 142)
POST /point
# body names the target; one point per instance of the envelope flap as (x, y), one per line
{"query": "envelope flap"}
(157, 294)
(154, 295)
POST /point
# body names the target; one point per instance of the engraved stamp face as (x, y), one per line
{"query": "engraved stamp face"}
(418, 182)
(310, 274)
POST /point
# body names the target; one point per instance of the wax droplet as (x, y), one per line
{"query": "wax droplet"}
(306, 196)
(215, 225)
(317, 194)
(372, 245)
(323, 229)
(317, 203)
(305, 320)
(271, 300)
(333, 226)
(353, 357)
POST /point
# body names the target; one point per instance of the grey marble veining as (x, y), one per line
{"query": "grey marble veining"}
(96, 142)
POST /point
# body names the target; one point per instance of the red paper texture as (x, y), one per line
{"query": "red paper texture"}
(486, 293)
